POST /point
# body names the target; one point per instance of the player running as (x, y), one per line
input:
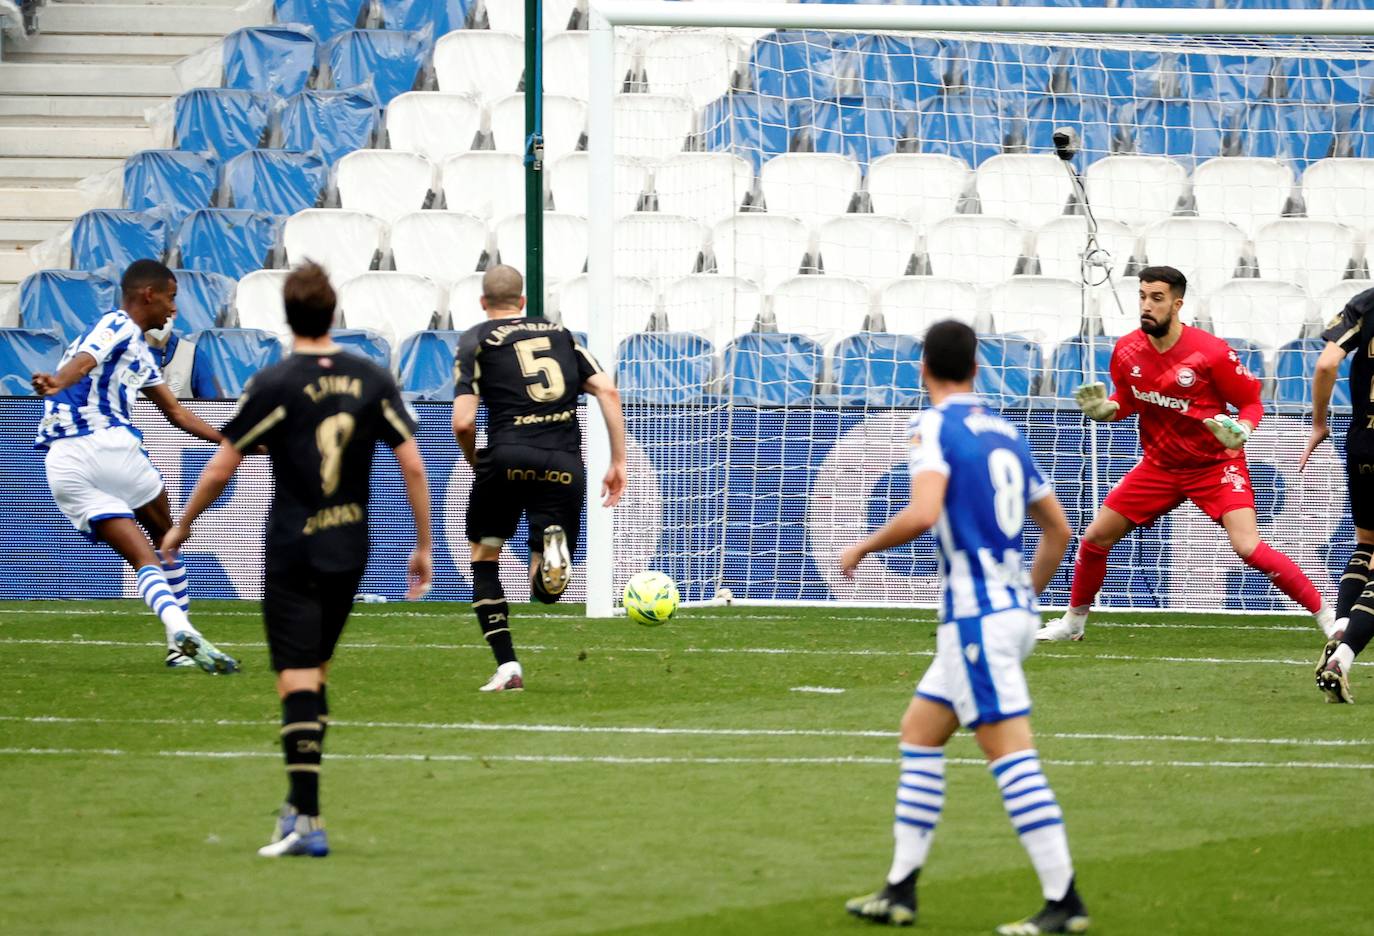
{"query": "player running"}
(1179, 380)
(320, 413)
(528, 372)
(1351, 331)
(97, 468)
(974, 481)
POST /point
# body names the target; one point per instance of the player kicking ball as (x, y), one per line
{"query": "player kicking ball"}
(1179, 380)
(973, 480)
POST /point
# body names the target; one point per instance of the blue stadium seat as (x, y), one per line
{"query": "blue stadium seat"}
(66, 302)
(203, 300)
(1293, 369)
(365, 343)
(1117, 73)
(1316, 79)
(664, 367)
(1280, 5)
(1359, 135)
(861, 129)
(276, 181)
(426, 365)
(753, 126)
(794, 65)
(333, 123)
(1185, 130)
(906, 71)
(878, 369)
(1000, 66)
(970, 127)
(1228, 79)
(279, 60)
(1288, 130)
(1089, 116)
(222, 122)
(24, 352)
(113, 238)
(327, 17)
(230, 241)
(392, 61)
(227, 357)
(1008, 368)
(772, 369)
(1170, 4)
(169, 183)
(1069, 368)
(439, 16)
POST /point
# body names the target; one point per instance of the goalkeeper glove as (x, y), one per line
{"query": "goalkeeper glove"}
(1092, 400)
(1228, 431)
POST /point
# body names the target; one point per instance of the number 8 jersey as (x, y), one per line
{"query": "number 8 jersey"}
(992, 479)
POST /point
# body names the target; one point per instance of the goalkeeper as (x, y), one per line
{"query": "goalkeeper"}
(1179, 380)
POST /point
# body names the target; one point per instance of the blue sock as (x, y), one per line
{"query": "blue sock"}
(920, 797)
(1038, 820)
(175, 573)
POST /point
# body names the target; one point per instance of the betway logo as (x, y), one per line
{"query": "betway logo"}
(1159, 399)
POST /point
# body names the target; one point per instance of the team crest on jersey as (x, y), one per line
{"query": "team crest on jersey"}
(1231, 475)
(1135, 371)
(972, 652)
(104, 336)
(1185, 377)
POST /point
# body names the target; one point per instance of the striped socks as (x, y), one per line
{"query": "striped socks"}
(302, 741)
(1038, 820)
(920, 797)
(175, 573)
(153, 589)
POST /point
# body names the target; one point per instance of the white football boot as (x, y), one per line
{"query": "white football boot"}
(1068, 627)
(507, 678)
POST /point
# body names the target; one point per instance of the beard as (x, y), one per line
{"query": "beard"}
(1156, 328)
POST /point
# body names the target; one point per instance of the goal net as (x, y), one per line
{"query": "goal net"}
(783, 212)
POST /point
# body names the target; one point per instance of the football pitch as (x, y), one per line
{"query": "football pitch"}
(685, 779)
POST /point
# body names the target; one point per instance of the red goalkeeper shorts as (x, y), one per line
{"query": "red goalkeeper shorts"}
(1148, 491)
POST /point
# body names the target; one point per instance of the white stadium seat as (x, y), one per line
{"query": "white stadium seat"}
(911, 304)
(1044, 307)
(433, 124)
(657, 246)
(1340, 190)
(345, 243)
(258, 302)
(705, 186)
(394, 305)
(1059, 245)
(1334, 298)
(1136, 190)
(635, 300)
(719, 308)
(651, 126)
(764, 248)
(978, 249)
(510, 17)
(811, 186)
(384, 183)
(865, 246)
(565, 120)
(921, 187)
(825, 308)
(694, 65)
(1270, 313)
(1314, 254)
(489, 185)
(443, 245)
(480, 61)
(565, 243)
(1246, 191)
(1029, 188)
(464, 302)
(568, 181)
(1205, 250)
(1125, 318)
(566, 68)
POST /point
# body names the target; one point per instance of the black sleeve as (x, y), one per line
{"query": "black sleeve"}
(398, 423)
(465, 366)
(260, 412)
(587, 367)
(1344, 329)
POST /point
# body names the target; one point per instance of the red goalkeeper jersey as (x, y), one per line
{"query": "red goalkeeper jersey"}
(1175, 391)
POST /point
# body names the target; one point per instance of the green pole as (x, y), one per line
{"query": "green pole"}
(534, 159)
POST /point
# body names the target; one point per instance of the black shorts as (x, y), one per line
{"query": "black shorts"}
(547, 485)
(305, 611)
(1359, 472)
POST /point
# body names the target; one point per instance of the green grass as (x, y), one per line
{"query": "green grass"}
(557, 831)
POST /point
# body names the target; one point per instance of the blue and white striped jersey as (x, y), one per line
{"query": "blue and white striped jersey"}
(992, 479)
(123, 366)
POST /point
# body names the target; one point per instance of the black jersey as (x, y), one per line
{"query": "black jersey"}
(528, 372)
(320, 416)
(1353, 330)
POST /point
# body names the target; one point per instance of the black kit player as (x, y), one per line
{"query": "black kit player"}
(529, 373)
(320, 414)
(1350, 331)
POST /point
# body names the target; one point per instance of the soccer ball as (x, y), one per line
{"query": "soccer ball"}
(650, 598)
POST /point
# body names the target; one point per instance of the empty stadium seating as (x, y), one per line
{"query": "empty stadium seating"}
(393, 305)
(226, 358)
(878, 369)
(391, 61)
(772, 369)
(222, 122)
(330, 123)
(258, 303)
(65, 302)
(231, 241)
(275, 182)
(278, 60)
(326, 18)
(763, 248)
(664, 367)
(920, 187)
(718, 308)
(635, 302)
(443, 245)
(385, 183)
(365, 343)
(23, 352)
(425, 365)
(433, 124)
(112, 238)
(170, 183)
(345, 243)
(203, 300)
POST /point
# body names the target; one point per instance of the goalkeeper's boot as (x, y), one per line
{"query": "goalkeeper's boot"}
(1068, 627)
(556, 565)
(1066, 915)
(508, 678)
(305, 840)
(205, 654)
(1333, 683)
(178, 660)
(894, 905)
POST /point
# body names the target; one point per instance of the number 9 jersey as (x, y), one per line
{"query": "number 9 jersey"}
(992, 479)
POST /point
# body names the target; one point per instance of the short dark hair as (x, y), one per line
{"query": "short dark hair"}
(1178, 283)
(951, 351)
(142, 273)
(309, 301)
(502, 286)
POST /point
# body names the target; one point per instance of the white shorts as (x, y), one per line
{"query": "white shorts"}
(977, 667)
(102, 475)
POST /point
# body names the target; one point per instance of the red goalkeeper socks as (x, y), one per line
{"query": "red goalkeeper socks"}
(1089, 570)
(1286, 575)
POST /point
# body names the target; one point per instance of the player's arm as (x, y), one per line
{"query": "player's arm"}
(1323, 383)
(73, 372)
(213, 480)
(1055, 531)
(465, 397)
(608, 397)
(1241, 389)
(179, 416)
(927, 502)
(1093, 400)
(420, 570)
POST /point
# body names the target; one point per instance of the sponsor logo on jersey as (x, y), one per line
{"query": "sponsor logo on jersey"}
(1185, 377)
(1159, 399)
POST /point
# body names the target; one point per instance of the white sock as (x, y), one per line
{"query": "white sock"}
(1326, 620)
(920, 797)
(1344, 656)
(1039, 822)
(152, 588)
(175, 573)
(1341, 624)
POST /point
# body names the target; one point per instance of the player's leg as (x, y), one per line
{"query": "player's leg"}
(494, 509)
(1359, 463)
(1333, 672)
(1108, 528)
(1355, 577)
(156, 518)
(1242, 528)
(555, 516)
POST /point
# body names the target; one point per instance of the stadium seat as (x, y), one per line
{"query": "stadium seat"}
(1069, 367)
(1270, 313)
(566, 60)
(869, 247)
(1314, 254)
(763, 248)
(258, 303)
(969, 127)
(1028, 188)
(664, 367)
(1008, 368)
(1118, 320)
(23, 353)
(719, 308)
(694, 65)
(1227, 80)
(794, 65)
(433, 124)
(1189, 131)
(657, 246)
(1294, 366)
(1107, 73)
(906, 70)
(365, 343)
(920, 187)
(330, 122)
(169, 183)
(568, 181)
(1246, 192)
(998, 67)
(878, 369)
(425, 365)
(1297, 133)
(385, 183)
(772, 369)
(489, 185)
(823, 308)
(753, 126)
(345, 243)
(1340, 190)
(278, 60)
(113, 238)
(705, 186)
(1045, 308)
(565, 123)
(226, 358)
(1059, 245)
(814, 187)
(1205, 250)
(651, 126)
(565, 244)
(636, 301)
(327, 18)
(65, 302)
(394, 305)
(393, 62)
(484, 63)
(1135, 190)
(204, 300)
(276, 181)
(1333, 299)
(979, 249)
(1089, 116)
(854, 127)
(231, 241)
(912, 304)
(443, 245)
(437, 16)
(1319, 79)
(221, 122)
(464, 302)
